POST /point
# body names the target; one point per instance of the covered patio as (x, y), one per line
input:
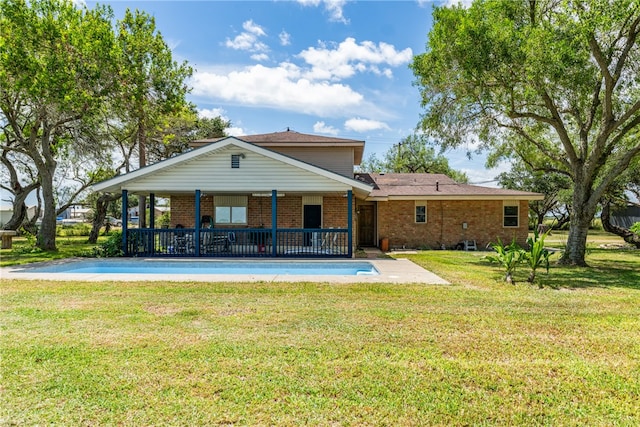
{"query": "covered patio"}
(236, 199)
(202, 240)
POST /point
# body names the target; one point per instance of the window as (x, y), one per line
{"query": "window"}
(510, 214)
(421, 213)
(231, 209)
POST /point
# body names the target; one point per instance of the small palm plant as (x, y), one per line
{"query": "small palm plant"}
(508, 257)
(537, 255)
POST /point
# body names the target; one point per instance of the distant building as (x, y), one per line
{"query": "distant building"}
(626, 217)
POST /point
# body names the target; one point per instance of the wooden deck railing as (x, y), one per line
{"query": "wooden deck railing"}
(251, 242)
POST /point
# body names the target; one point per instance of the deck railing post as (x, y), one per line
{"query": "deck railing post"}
(152, 210)
(350, 221)
(125, 220)
(151, 239)
(197, 222)
(274, 222)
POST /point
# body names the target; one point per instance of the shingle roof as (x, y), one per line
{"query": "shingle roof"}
(434, 186)
(289, 136)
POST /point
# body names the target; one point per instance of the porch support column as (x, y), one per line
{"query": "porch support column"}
(274, 222)
(152, 210)
(350, 221)
(125, 221)
(197, 222)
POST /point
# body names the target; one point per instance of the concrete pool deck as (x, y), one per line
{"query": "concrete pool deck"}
(391, 271)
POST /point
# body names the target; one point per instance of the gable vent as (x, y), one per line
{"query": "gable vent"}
(235, 160)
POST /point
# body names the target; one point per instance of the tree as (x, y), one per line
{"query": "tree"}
(413, 155)
(553, 185)
(153, 83)
(211, 127)
(56, 71)
(557, 82)
(174, 132)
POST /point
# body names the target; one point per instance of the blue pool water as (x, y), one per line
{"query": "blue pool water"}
(140, 266)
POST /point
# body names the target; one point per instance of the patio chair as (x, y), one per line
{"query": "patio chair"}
(229, 241)
(330, 244)
(207, 242)
(470, 245)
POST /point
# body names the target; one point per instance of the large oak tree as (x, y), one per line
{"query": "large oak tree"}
(56, 71)
(556, 83)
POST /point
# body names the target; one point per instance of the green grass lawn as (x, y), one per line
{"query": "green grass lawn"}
(477, 352)
(23, 251)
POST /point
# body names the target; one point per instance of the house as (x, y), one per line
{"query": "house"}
(627, 216)
(288, 194)
(434, 211)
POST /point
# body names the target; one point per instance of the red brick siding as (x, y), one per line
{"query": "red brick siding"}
(334, 212)
(182, 210)
(484, 218)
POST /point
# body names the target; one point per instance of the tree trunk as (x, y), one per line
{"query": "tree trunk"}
(628, 235)
(100, 214)
(509, 279)
(142, 151)
(47, 233)
(18, 216)
(583, 210)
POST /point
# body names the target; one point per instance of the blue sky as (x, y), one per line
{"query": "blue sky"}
(335, 68)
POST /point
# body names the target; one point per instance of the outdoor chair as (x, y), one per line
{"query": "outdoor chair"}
(207, 242)
(229, 241)
(470, 245)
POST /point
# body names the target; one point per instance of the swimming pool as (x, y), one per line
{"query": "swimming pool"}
(148, 266)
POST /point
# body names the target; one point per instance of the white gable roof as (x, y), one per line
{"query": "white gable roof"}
(209, 169)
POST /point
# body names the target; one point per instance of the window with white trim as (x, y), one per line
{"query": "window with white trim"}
(230, 209)
(510, 214)
(421, 213)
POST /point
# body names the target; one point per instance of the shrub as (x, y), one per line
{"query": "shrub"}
(82, 229)
(112, 247)
(508, 257)
(537, 255)
(635, 228)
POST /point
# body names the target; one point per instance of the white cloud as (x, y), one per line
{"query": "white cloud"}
(235, 131)
(285, 38)
(248, 40)
(334, 7)
(364, 125)
(259, 57)
(466, 4)
(311, 88)
(349, 57)
(321, 127)
(212, 113)
(281, 87)
(253, 28)
(220, 112)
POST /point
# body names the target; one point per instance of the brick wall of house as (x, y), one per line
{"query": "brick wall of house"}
(334, 212)
(182, 210)
(259, 211)
(484, 218)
